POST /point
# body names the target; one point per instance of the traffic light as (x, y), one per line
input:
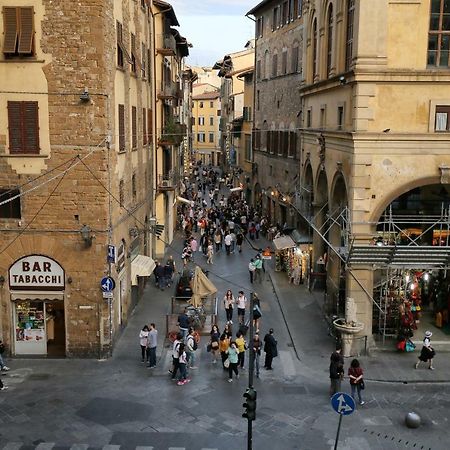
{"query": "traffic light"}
(158, 230)
(250, 404)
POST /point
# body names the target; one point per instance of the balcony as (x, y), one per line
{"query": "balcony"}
(166, 44)
(169, 91)
(172, 134)
(168, 181)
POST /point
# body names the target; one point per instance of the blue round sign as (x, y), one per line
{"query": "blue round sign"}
(343, 404)
(107, 284)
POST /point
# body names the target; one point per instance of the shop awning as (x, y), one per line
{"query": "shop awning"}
(299, 238)
(38, 295)
(141, 266)
(283, 242)
(400, 256)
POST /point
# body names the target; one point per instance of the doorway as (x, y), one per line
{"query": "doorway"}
(56, 329)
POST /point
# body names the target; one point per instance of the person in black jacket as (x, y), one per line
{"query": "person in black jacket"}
(270, 347)
(336, 371)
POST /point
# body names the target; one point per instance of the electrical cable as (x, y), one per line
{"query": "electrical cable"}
(35, 215)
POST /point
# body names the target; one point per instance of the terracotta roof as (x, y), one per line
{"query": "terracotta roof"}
(206, 95)
(239, 71)
(168, 9)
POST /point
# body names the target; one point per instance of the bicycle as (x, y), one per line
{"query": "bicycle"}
(197, 316)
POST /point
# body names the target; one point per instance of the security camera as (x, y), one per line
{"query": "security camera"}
(342, 80)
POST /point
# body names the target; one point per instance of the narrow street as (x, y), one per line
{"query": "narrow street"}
(119, 403)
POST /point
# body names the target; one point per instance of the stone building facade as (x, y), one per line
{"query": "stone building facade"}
(278, 70)
(76, 171)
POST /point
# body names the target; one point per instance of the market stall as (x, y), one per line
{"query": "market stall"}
(291, 258)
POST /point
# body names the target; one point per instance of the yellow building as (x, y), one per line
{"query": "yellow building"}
(374, 120)
(206, 113)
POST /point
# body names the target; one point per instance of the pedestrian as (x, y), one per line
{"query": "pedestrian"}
(184, 323)
(259, 267)
(214, 343)
(168, 274)
(152, 345)
(239, 240)
(218, 240)
(270, 348)
(159, 275)
(182, 365)
(241, 346)
(143, 341)
(228, 330)
(227, 241)
(233, 355)
(257, 314)
(256, 352)
(171, 262)
(191, 347)
(186, 254)
(251, 270)
(355, 374)
(233, 242)
(228, 303)
(241, 302)
(2, 386)
(176, 355)
(2, 362)
(194, 245)
(427, 353)
(210, 254)
(155, 272)
(224, 345)
(336, 371)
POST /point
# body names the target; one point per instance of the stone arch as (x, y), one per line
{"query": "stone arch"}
(338, 186)
(398, 191)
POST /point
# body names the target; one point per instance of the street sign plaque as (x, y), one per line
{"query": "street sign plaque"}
(107, 284)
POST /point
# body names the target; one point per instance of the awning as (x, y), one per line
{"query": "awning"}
(299, 238)
(38, 295)
(141, 266)
(283, 242)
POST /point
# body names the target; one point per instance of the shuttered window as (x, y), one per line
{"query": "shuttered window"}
(121, 128)
(144, 126)
(23, 127)
(133, 127)
(10, 210)
(122, 53)
(18, 25)
(144, 63)
(133, 54)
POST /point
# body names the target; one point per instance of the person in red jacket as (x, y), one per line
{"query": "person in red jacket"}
(355, 374)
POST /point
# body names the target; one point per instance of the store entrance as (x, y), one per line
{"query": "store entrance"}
(56, 329)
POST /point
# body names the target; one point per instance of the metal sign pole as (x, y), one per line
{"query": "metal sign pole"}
(338, 431)
(251, 368)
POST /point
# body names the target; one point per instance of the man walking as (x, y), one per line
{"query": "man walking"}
(270, 347)
(176, 355)
(191, 347)
(183, 323)
(251, 270)
(259, 268)
(152, 344)
(336, 370)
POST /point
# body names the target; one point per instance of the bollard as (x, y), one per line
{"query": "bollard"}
(412, 420)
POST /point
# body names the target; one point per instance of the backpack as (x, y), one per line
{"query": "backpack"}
(2, 348)
(194, 343)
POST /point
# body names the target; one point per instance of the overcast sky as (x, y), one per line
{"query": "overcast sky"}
(214, 27)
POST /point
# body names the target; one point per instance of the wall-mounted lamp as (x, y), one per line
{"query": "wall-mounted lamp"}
(342, 80)
(86, 234)
(85, 97)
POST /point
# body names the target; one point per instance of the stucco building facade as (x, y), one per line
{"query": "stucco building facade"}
(77, 171)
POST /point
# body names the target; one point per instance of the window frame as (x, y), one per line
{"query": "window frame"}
(134, 140)
(11, 210)
(442, 109)
(121, 128)
(330, 29)
(16, 41)
(441, 34)
(349, 34)
(211, 138)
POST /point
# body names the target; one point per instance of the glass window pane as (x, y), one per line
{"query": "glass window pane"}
(446, 22)
(435, 6)
(434, 22)
(444, 59)
(432, 42)
(431, 60)
(445, 42)
(446, 6)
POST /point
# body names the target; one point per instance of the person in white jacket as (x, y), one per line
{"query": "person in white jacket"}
(143, 340)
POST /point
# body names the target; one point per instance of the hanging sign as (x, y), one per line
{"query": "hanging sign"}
(36, 272)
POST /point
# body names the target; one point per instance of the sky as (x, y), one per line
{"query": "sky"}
(214, 27)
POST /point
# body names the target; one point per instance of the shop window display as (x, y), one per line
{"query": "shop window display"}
(30, 323)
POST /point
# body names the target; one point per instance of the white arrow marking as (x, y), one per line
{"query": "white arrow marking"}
(343, 407)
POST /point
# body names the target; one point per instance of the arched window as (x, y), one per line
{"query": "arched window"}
(275, 64)
(349, 37)
(314, 49)
(329, 39)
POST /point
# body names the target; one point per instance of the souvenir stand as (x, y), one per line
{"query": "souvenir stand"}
(284, 246)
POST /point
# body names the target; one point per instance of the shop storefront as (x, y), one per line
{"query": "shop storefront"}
(36, 285)
(292, 258)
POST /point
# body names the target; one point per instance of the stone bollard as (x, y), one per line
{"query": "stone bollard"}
(412, 420)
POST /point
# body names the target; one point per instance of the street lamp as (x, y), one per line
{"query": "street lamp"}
(86, 234)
